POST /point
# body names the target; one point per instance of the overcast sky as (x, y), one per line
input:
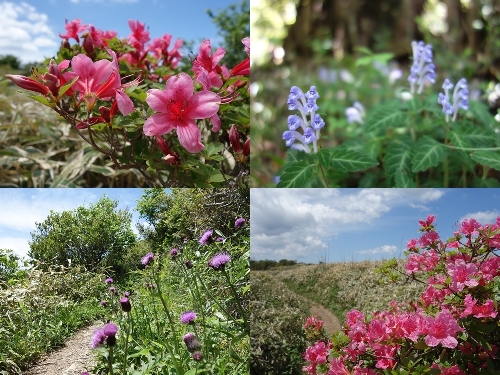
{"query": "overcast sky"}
(21, 208)
(30, 29)
(309, 225)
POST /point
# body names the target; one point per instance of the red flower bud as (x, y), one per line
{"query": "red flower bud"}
(88, 45)
(163, 145)
(246, 147)
(234, 138)
(105, 113)
(52, 82)
(28, 83)
(92, 121)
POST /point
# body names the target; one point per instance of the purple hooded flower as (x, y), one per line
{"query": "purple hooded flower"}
(109, 280)
(206, 237)
(188, 317)
(239, 222)
(147, 258)
(218, 261)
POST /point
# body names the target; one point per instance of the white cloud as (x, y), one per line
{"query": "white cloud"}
(483, 217)
(19, 245)
(25, 32)
(419, 207)
(385, 249)
(293, 223)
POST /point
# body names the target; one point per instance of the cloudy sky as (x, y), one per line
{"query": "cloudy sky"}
(22, 208)
(30, 29)
(309, 225)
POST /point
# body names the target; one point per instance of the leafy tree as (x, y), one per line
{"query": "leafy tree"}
(11, 61)
(9, 267)
(234, 25)
(174, 215)
(93, 237)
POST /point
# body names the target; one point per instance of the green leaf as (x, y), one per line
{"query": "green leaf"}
(213, 148)
(398, 156)
(403, 180)
(66, 87)
(41, 99)
(473, 136)
(216, 178)
(488, 158)
(324, 158)
(296, 174)
(385, 116)
(350, 161)
(427, 153)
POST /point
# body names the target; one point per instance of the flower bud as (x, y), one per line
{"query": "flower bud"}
(88, 45)
(52, 82)
(126, 306)
(28, 83)
(234, 138)
(246, 147)
(197, 356)
(191, 342)
(105, 113)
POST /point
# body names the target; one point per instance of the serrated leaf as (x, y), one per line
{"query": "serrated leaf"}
(350, 161)
(474, 136)
(216, 178)
(41, 99)
(398, 157)
(459, 140)
(324, 158)
(213, 148)
(295, 175)
(427, 153)
(403, 180)
(488, 158)
(383, 117)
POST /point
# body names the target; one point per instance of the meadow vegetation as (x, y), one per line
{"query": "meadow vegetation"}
(176, 303)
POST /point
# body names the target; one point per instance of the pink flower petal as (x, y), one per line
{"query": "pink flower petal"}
(179, 87)
(157, 100)
(203, 104)
(159, 124)
(190, 137)
(125, 104)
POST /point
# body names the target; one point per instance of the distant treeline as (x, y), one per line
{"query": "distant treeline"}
(262, 265)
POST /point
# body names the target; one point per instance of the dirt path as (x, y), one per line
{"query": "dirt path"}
(72, 359)
(331, 322)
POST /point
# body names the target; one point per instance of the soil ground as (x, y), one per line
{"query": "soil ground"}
(71, 359)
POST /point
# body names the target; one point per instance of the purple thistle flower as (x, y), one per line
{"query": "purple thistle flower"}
(99, 338)
(103, 303)
(191, 342)
(109, 280)
(188, 264)
(126, 294)
(110, 331)
(219, 239)
(173, 253)
(218, 261)
(188, 317)
(126, 306)
(239, 222)
(147, 258)
(206, 237)
(185, 240)
(112, 289)
(197, 356)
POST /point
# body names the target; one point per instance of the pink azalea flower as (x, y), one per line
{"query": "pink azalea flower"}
(428, 238)
(441, 330)
(178, 107)
(209, 62)
(246, 43)
(461, 275)
(469, 227)
(73, 28)
(490, 268)
(486, 310)
(317, 353)
(139, 35)
(385, 355)
(338, 367)
(100, 80)
(353, 316)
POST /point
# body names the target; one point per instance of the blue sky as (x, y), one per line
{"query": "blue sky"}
(308, 225)
(30, 28)
(22, 208)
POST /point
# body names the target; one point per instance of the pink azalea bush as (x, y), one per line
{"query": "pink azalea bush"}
(454, 327)
(137, 101)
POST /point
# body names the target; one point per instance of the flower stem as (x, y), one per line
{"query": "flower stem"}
(323, 180)
(126, 344)
(110, 360)
(237, 298)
